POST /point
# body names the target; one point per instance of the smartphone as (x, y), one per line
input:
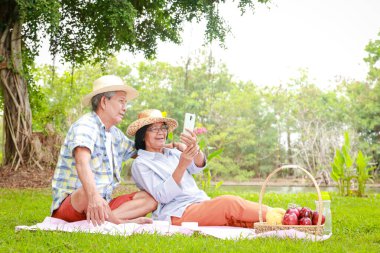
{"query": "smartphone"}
(189, 122)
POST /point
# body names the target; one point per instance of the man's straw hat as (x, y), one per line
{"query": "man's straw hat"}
(150, 116)
(109, 83)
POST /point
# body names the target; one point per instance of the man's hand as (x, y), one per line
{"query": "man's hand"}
(98, 210)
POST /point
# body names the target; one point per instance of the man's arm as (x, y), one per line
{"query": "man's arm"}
(97, 210)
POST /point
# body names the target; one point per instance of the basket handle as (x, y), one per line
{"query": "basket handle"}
(320, 206)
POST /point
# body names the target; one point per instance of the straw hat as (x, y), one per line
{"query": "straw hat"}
(150, 116)
(109, 83)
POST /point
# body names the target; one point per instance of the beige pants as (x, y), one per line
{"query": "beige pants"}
(222, 211)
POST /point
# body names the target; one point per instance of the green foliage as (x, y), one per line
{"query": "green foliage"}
(81, 32)
(56, 97)
(362, 172)
(257, 128)
(342, 171)
(249, 123)
(214, 154)
(206, 177)
(362, 102)
(345, 169)
(242, 124)
(225, 168)
(310, 120)
(93, 30)
(373, 58)
(325, 195)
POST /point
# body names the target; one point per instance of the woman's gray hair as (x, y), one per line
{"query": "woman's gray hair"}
(95, 100)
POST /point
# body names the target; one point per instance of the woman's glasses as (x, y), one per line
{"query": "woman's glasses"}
(163, 128)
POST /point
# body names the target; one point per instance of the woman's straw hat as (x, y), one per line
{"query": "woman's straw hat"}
(109, 83)
(150, 116)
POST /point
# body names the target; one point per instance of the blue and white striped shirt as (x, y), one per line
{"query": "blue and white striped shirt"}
(90, 132)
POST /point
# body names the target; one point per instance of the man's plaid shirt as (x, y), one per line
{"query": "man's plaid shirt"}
(90, 132)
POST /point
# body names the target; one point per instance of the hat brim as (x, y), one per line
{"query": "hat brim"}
(136, 125)
(131, 93)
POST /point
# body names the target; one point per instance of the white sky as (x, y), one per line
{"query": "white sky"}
(326, 37)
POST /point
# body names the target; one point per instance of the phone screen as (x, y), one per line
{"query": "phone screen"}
(189, 122)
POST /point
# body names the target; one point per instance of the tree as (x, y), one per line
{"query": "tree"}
(372, 101)
(242, 124)
(309, 122)
(258, 128)
(81, 31)
(319, 119)
(362, 99)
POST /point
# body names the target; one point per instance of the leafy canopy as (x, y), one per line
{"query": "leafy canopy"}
(93, 30)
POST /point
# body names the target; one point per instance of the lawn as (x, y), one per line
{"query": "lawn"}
(356, 228)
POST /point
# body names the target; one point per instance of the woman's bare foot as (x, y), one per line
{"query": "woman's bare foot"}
(140, 220)
(113, 219)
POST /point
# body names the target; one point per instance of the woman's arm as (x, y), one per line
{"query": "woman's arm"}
(199, 159)
(185, 161)
(162, 189)
(151, 176)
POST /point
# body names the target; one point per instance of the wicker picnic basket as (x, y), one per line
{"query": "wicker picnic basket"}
(261, 226)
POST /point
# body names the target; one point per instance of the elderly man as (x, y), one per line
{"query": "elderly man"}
(91, 158)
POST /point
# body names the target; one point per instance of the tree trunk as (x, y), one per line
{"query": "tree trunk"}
(289, 143)
(17, 112)
(289, 151)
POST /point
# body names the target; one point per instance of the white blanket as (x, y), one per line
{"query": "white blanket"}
(163, 228)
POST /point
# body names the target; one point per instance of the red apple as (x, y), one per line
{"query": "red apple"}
(290, 219)
(306, 212)
(305, 221)
(315, 218)
(293, 210)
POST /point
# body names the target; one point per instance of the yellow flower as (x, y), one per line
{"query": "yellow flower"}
(164, 114)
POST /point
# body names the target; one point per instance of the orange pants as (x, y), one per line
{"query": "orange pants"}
(67, 212)
(224, 210)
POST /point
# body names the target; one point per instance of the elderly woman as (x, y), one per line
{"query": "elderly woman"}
(167, 175)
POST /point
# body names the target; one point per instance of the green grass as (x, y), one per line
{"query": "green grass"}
(356, 228)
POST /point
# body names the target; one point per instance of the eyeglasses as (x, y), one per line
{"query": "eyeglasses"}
(163, 128)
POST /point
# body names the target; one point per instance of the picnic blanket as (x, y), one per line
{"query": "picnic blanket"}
(162, 228)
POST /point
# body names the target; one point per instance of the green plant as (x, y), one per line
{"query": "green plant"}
(342, 171)
(206, 178)
(362, 171)
(345, 169)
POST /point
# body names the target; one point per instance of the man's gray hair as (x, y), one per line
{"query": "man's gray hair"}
(95, 100)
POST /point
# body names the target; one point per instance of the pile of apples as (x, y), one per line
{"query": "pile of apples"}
(301, 216)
